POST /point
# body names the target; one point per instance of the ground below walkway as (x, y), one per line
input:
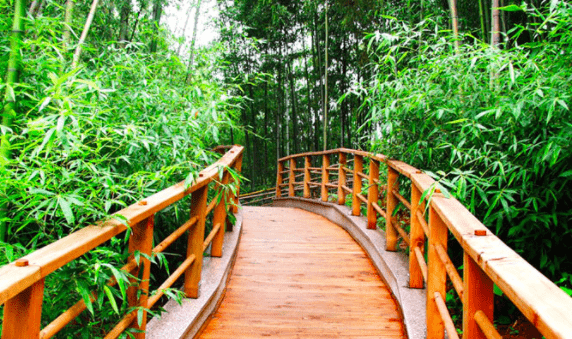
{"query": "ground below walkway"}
(297, 275)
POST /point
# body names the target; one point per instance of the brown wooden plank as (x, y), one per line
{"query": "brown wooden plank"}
(299, 275)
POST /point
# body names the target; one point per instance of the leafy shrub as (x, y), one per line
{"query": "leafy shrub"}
(493, 125)
(90, 141)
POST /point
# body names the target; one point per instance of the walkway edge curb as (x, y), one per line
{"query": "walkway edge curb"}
(393, 267)
(187, 320)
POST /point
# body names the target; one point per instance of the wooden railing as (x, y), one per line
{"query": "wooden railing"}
(22, 282)
(258, 198)
(486, 259)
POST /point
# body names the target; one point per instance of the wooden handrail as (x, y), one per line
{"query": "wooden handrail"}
(487, 260)
(22, 282)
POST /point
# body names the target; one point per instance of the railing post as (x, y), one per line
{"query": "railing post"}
(436, 281)
(195, 242)
(479, 296)
(23, 313)
(417, 240)
(372, 194)
(292, 178)
(307, 176)
(238, 169)
(390, 231)
(219, 217)
(356, 189)
(279, 179)
(141, 240)
(342, 179)
(325, 176)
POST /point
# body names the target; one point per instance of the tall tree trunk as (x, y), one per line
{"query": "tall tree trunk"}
(326, 83)
(495, 29)
(67, 23)
(309, 90)
(318, 72)
(343, 111)
(84, 33)
(192, 52)
(265, 167)
(294, 115)
(454, 23)
(136, 23)
(124, 14)
(483, 25)
(254, 151)
(9, 112)
(157, 12)
(277, 124)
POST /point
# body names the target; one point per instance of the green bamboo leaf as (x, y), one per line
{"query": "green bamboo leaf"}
(66, 210)
(109, 295)
(511, 8)
(86, 296)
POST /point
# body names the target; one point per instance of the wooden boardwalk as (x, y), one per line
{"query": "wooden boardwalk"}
(297, 275)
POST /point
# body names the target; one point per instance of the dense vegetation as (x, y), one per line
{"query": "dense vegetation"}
(86, 140)
(426, 82)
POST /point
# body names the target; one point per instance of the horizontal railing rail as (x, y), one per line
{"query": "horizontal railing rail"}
(425, 231)
(22, 282)
(262, 197)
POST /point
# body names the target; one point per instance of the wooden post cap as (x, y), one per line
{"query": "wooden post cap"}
(480, 232)
(21, 262)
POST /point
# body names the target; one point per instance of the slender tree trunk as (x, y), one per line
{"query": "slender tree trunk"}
(265, 167)
(67, 23)
(294, 115)
(318, 71)
(254, 151)
(277, 126)
(343, 111)
(503, 17)
(84, 33)
(495, 29)
(124, 22)
(192, 52)
(9, 112)
(483, 25)
(454, 23)
(309, 90)
(326, 83)
(157, 12)
(136, 23)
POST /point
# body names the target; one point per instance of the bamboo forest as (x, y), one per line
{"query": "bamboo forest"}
(106, 103)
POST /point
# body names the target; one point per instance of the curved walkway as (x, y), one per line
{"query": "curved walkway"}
(298, 275)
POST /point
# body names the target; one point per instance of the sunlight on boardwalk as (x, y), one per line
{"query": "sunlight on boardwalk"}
(298, 275)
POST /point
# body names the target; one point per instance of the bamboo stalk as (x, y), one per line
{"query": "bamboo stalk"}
(10, 98)
(84, 33)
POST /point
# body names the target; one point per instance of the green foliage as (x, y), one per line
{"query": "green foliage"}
(90, 141)
(494, 125)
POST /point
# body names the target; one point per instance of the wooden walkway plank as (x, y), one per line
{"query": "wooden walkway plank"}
(297, 275)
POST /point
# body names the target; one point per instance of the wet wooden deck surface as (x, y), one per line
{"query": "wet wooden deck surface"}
(297, 275)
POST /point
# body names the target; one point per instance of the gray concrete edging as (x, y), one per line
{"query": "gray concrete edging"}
(186, 320)
(393, 267)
